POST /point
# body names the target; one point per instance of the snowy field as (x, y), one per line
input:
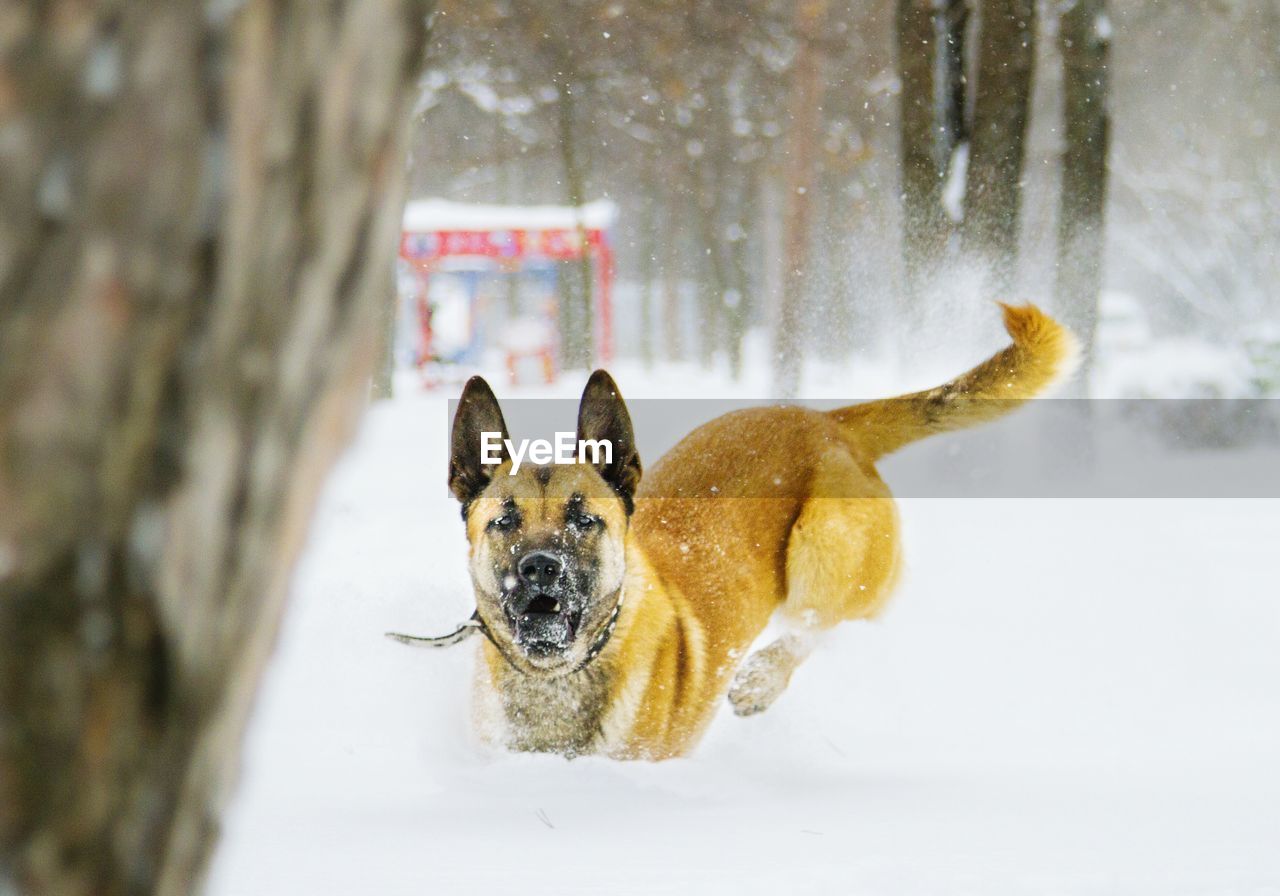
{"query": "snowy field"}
(1066, 697)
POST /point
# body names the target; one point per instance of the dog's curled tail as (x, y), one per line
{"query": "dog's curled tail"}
(1043, 353)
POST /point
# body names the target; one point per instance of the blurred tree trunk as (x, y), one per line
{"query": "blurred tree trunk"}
(707, 200)
(1084, 36)
(199, 211)
(993, 192)
(577, 340)
(713, 193)
(770, 212)
(383, 386)
(648, 272)
(738, 310)
(803, 139)
(711, 292)
(931, 66)
(925, 225)
(951, 25)
(672, 317)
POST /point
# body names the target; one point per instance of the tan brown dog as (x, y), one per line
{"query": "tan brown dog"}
(616, 610)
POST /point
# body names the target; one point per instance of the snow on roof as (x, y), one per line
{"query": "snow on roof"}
(427, 215)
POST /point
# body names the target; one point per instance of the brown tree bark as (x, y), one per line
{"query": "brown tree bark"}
(993, 193)
(803, 140)
(198, 216)
(1084, 36)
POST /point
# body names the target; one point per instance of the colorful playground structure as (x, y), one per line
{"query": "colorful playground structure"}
(477, 279)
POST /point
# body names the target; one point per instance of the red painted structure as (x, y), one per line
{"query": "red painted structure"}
(440, 235)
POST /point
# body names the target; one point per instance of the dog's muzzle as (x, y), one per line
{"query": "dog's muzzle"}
(542, 612)
(544, 608)
(476, 625)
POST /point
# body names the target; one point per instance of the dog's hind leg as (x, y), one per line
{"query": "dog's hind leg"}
(842, 560)
(764, 675)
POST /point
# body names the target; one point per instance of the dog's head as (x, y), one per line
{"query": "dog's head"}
(547, 545)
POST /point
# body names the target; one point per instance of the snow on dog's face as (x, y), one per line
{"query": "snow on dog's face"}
(548, 543)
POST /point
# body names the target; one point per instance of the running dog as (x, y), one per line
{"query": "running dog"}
(615, 609)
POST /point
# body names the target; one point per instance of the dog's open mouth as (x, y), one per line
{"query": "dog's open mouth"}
(547, 625)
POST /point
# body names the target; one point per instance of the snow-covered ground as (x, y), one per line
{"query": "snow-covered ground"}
(1066, 697)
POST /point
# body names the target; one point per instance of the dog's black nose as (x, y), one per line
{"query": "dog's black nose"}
(540, 569)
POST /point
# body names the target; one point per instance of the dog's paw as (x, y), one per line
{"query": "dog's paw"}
(761, 679)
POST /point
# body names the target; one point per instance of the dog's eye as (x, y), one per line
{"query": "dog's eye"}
(580, 519)
(504, 523)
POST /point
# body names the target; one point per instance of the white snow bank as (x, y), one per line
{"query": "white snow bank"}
(1066, 697)
(1174, 367)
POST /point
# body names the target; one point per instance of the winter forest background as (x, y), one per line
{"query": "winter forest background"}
(856, 178)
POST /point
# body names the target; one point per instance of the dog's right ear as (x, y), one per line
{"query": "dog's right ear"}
(603, 415)
(477, 413)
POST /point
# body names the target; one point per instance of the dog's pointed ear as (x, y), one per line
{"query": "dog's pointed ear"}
(470, 465)
(602, 416)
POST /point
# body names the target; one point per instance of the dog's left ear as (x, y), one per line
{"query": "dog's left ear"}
(602, 415)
